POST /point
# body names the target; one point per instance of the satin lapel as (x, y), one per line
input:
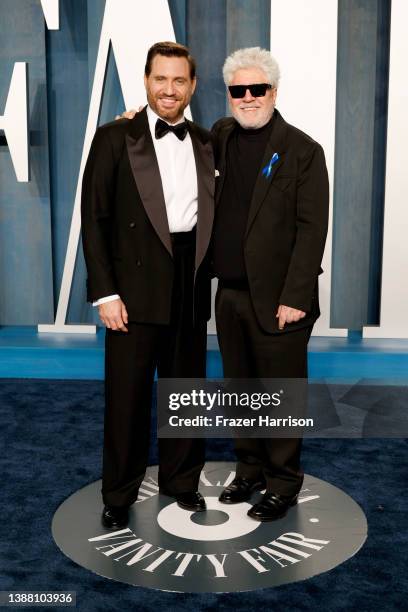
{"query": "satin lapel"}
(276, 144)
(204, 159)
(145, 169)
(224, 137)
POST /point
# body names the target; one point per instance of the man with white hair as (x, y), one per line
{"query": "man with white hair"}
(269, 233)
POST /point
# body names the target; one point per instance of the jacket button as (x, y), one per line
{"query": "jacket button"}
(132, 225)
(138, 263)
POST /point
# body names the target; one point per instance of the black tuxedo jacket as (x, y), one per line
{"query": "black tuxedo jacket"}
(125, 233)
(287, 222)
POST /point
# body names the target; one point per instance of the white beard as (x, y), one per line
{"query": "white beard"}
(251, 123)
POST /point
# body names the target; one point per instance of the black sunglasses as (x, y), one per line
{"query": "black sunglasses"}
(257, 90)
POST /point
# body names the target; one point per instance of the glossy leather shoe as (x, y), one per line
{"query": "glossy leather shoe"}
(115, 518)
(271, 507)
(191, 501)
(240, 490)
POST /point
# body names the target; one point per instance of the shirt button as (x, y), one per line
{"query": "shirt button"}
(132, 225)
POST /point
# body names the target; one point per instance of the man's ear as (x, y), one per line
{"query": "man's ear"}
(145, 81)
(274, 94)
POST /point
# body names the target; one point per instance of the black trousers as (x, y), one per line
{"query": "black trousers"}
(176, 350)
(248, 352)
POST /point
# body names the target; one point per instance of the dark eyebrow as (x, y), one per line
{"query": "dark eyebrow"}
(162, 76)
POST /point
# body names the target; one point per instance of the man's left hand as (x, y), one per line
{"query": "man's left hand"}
(129, 114)
(286, 314)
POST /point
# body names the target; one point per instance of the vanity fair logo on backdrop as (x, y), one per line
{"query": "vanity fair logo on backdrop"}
(314, 27)
(219, 550)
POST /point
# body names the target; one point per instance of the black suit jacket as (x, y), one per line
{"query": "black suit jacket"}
(125, 231)
(287, 223)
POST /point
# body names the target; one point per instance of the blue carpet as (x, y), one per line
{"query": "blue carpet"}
(51, 446)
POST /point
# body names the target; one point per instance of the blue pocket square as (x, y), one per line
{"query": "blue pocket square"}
(268, 168)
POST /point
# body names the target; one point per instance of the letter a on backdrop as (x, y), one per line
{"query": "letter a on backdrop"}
(130, 28)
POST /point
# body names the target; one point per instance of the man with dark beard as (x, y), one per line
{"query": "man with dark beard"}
(147, 212)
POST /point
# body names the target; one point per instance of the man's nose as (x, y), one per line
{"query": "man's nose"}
(248, 96)
(169, 88)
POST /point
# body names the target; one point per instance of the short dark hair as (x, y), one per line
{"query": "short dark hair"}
(169, 49)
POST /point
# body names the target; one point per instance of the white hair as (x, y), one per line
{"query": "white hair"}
(252, 57)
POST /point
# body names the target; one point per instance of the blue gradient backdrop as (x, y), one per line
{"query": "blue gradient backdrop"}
(35, 217)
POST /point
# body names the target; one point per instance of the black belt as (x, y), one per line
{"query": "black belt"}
(239, 285)
(183, 238)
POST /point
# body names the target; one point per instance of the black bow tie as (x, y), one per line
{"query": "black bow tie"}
(162, 128)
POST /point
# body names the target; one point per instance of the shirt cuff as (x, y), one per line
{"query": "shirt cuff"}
(108, 298)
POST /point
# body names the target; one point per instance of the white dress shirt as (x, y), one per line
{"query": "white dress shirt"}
(178, 174)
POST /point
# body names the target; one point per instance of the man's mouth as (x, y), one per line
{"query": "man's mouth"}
(169, 102)
(249, 108)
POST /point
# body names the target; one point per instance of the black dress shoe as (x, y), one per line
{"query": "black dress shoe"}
(192, 500)
(115, 517)
(271, 507)
(240, 490)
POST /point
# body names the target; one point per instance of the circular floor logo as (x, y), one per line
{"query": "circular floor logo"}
(222, 549)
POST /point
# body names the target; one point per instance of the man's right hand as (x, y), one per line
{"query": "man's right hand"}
(129, 114)
(114, 315)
